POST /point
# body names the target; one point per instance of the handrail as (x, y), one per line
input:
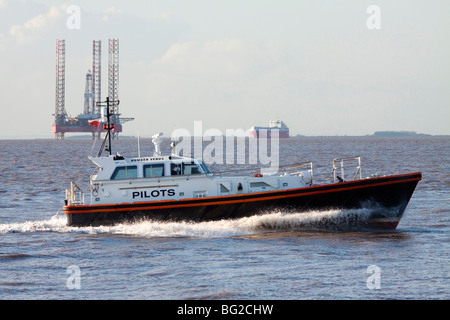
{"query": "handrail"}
(74, 195)
(286, 171)
(299, 165)
(282, 169)
(341, 162)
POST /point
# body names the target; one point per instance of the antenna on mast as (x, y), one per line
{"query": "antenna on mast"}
(108, 127)
(139, 146)
(156, 139)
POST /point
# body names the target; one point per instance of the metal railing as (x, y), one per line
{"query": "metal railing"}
(288, 169)
(294, 170)
(74, 195)
(340, 162)
(291, 169)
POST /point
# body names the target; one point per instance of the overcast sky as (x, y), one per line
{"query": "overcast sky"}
(325, 67)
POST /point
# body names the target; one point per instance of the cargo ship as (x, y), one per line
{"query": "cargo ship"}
(275, 126)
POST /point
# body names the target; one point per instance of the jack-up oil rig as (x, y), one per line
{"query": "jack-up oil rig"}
(92, 95)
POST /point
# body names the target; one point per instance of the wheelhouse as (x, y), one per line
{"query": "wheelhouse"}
(118, 168)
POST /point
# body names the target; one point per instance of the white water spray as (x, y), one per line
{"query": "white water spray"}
(270, 222)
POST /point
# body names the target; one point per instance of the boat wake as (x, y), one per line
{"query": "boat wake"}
(271, 222)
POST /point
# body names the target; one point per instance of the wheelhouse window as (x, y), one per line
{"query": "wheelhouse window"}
(184, 169)
(154, 170)
(191, 168)
(129, 172)
(176, 169)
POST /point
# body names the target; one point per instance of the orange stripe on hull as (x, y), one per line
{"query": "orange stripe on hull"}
(241, 198)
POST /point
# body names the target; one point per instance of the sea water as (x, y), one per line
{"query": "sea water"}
(272, 256)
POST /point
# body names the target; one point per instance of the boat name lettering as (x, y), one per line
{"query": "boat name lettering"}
(154, 193)
(146, 159)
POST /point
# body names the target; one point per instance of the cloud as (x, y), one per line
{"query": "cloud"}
(113, 10)
(235, 70)
(110, 11)
(34, 24)
(31, 29)
(210, 80)
(2, 42)
(230, 57)
(260, 81)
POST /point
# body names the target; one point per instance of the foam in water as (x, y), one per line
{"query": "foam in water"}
(275, 221)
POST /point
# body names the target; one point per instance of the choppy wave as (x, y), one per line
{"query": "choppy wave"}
(275, 221)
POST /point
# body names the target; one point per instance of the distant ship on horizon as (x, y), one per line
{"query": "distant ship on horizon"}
(274, 125)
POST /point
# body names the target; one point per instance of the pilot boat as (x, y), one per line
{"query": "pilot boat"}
(178, 188)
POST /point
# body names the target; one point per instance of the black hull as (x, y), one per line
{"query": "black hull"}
(385, 197)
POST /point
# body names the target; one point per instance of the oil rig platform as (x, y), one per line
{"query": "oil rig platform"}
(88, 120)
